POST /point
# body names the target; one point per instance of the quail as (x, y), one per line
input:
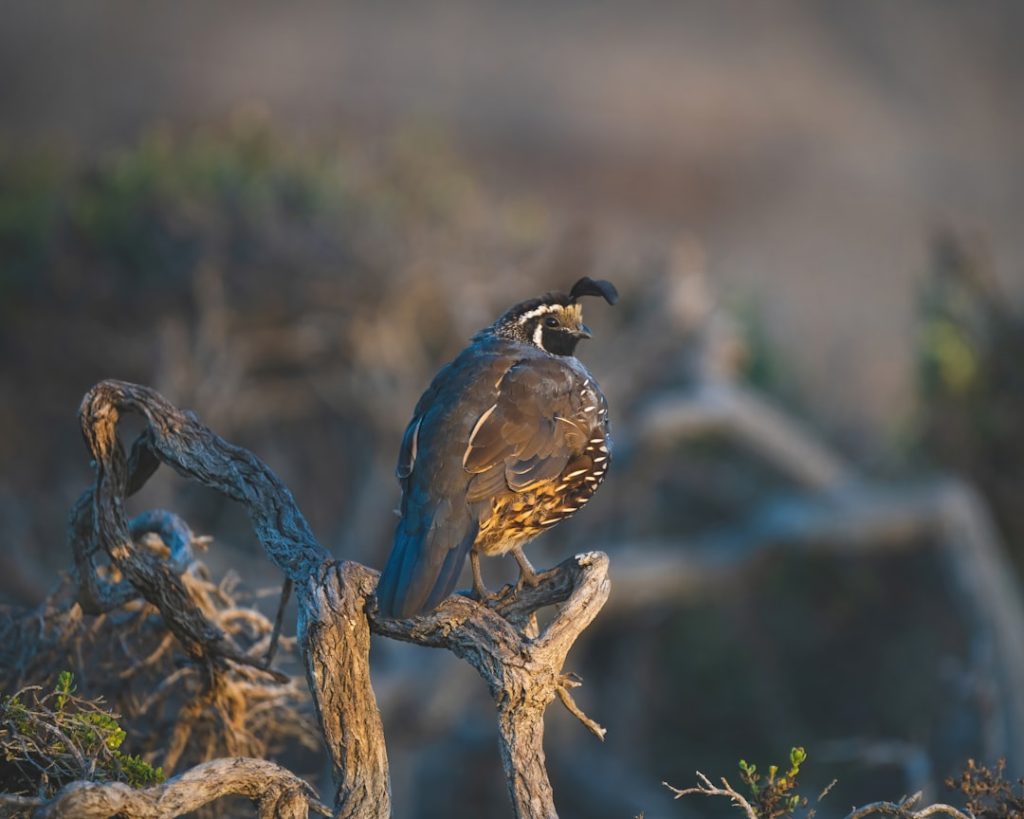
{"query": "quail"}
(510, 438)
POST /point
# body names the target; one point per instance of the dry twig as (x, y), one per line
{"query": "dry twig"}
(904, 809)
(706, 788)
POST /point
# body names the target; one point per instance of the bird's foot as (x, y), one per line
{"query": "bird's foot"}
(526, 579)
(484, 595)
(532, 578)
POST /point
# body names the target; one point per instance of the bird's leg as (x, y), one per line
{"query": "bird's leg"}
(527, 574)
(482, 592)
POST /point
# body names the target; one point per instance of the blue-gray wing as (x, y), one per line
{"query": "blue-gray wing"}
(486, 429)
(437, 528)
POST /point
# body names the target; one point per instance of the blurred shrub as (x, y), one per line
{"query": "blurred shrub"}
(299, 297)
(971, 379)
(296, 295)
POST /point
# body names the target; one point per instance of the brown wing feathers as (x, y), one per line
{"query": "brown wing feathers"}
(525, 432)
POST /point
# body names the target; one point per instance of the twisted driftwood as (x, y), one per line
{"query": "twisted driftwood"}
(337, 612)
(278, 793)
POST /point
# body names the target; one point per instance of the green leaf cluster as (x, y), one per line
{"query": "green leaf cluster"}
(51, 738)
(774, 795)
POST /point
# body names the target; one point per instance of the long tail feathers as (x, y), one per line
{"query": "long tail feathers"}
(421, 571)
(448, 577)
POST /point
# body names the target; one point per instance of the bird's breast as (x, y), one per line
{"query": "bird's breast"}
(513, 518)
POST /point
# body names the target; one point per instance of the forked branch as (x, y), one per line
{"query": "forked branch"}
(337, 611)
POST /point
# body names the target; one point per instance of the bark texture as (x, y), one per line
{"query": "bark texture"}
(335, 637)
(337, 612)
(276, 792)
(523, 673)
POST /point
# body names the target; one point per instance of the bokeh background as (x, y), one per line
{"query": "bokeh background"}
(288, 216)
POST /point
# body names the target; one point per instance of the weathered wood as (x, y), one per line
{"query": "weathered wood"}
(335, 638)
(337, 612)
(277, 793)
(180, 441)
(523, 674)
(170, 433)
(843, 511)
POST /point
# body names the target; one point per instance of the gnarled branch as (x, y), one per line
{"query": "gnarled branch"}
(523, 674)
(277, 793)
(337, 610)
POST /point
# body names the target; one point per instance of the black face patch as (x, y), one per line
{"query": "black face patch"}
(559, 341)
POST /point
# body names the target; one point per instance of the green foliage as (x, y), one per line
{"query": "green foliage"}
(137, 772)
(949, 356)
(762, 364)
(48, 739)
(970, 379)
(30, 208)
(774, 795)
(957, 312)
(65, 688)
(147, 215)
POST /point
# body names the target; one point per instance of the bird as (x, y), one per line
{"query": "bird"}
(511, 437)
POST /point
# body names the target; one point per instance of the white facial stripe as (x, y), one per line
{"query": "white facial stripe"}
(539, 311)
(538, 336)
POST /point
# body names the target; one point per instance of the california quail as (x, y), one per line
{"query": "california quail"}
(510, 438)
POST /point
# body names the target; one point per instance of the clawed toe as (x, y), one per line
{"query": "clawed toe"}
(533, 579)
(486, 596)
(525, 579)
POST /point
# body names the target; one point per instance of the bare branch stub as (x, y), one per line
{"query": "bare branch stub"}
(523, 675)
(95, 594)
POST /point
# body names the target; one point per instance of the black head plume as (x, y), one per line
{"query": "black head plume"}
(589, 287)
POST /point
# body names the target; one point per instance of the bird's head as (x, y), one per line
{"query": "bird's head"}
(553, 322)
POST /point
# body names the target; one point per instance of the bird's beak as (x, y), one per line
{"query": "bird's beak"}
(583, 332)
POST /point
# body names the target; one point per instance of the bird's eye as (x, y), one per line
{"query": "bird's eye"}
(550, 321)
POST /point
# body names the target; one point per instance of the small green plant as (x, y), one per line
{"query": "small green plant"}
(774, 795)
(770, 797)
(137, 772)
(51, 738)
(65, 688)
(989, 794)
